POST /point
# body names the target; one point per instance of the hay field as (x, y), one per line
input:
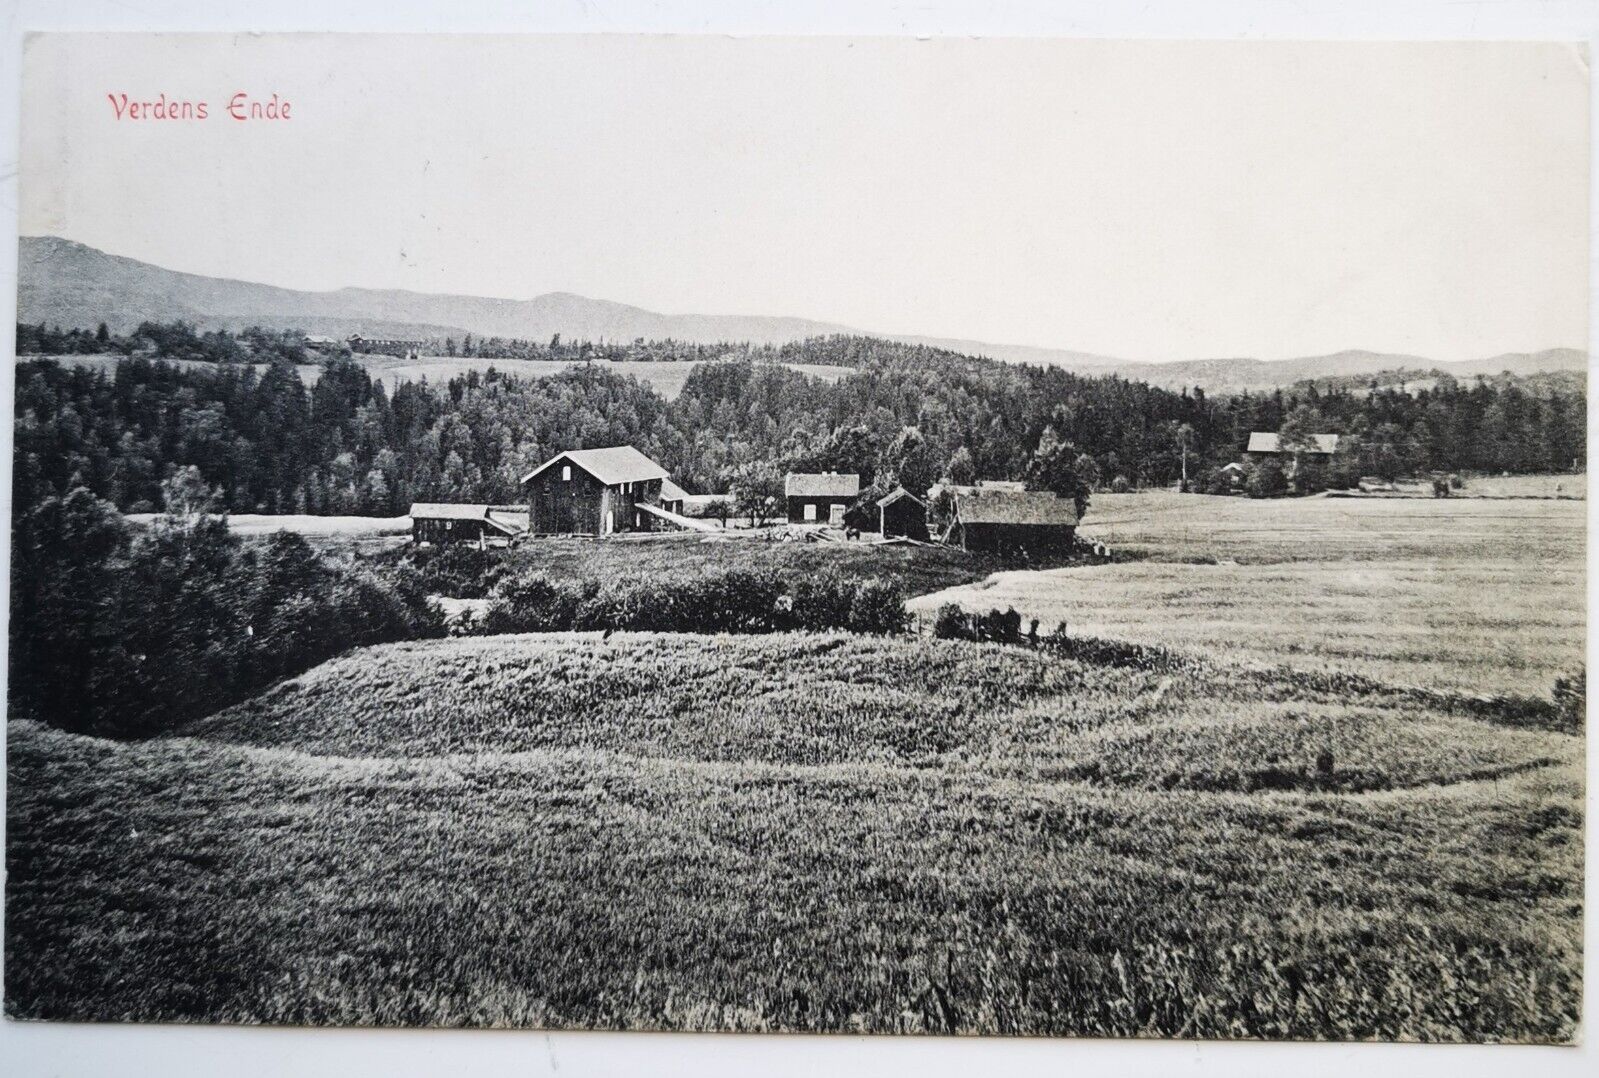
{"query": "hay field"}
(256, 524)
(1477, 595)
(802, 833)
(667, 379)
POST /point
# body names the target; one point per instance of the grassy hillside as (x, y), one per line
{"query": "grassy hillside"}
(801, 832)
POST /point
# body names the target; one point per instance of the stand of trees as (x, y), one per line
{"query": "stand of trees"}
(908, 415)
(124, 631)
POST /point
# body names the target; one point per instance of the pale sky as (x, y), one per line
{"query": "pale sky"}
(1146, 200)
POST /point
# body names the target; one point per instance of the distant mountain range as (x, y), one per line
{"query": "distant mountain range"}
(71, 284)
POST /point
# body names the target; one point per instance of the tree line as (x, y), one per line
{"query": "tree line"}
(268, 442)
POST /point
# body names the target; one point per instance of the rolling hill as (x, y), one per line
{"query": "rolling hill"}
(802, 833)
(71, 284)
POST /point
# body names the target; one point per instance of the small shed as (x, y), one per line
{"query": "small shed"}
(820, 497)
(439, 523)
(899, 512)
(1009, 522)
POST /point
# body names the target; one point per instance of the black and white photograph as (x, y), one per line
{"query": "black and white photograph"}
(982, 536)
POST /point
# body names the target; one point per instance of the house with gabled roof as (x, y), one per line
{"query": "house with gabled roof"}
(593, 492)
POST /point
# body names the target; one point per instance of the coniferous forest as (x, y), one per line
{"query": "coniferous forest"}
(270, 443)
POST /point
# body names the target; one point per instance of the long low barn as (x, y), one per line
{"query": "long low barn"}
(443, 522)
(1011, 522)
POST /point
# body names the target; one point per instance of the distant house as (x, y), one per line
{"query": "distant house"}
(438, 523)
(1009, 522)
(593, 492)
(384, 346)
(321, 344)
(1266, 444)
(899, 512)
(820, 497)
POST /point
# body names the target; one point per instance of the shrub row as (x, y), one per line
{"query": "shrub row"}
(717, 601)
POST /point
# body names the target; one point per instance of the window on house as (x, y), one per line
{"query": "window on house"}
(566, 473)
(810, 512)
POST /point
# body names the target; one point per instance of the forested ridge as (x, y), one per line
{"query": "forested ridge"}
(908, 413)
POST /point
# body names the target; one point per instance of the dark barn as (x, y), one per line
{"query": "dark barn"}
(1031, 523)
(820, 497)
(900, 512)
(441, 523)
(593, 492)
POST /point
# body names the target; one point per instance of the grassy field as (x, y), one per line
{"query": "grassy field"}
(254, 524)
(802, 833)
(667, 379)
(1484, 596)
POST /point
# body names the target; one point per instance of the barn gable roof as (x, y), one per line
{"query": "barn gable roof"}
(821, 485)
(617, 464)
(448, 511)
(1012, 507)
(895, 495)
(1267, 442)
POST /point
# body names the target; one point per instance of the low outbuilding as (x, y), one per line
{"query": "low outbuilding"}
(440, 523)
(1033, 523)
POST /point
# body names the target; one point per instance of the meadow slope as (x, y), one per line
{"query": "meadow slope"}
(802, 833)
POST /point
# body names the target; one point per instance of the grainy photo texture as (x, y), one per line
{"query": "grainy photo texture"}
(1107, 559)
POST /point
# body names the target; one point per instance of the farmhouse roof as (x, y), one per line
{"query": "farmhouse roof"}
(895, 495)
(1266, 442)
(671, 492)
(618, 464)
(1016, 507)
(822, 485)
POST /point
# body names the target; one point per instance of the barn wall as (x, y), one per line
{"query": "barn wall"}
(580, 505)
(904, 517)
(1019, 538)
(439, 532)
(557, 506)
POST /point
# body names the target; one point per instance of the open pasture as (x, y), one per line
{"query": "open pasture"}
(1483, 596)
(801, 833)
(667, 379)
(1176, 527)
